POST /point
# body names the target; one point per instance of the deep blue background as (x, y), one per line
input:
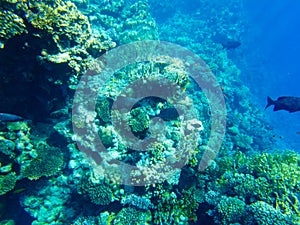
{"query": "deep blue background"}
(273, 38)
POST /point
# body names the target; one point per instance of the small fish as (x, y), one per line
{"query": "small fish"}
(18, 191)
(6, 117)
(288, 103)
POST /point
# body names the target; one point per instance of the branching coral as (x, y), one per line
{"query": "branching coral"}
(268, 182)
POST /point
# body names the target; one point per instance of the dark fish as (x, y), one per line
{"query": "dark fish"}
(169, 114)
(288, 103)
(230, 44)
(226, 42)
(6, 117)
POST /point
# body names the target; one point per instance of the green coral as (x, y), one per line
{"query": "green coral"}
(7, 182)
(282, 173)
(264, 214)
(48, 161)
(132, 215)
(271, 179)
(103, 109)
(139, 120)
(98, 193)
(230, 210)
(11, 25)
(7, 147)
(172, 209)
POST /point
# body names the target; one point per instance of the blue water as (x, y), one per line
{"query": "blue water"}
(274, 48)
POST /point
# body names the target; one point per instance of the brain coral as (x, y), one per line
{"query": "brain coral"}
(98, 193)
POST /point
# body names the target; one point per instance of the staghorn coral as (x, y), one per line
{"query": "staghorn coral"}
(282, 173)
(266, 181)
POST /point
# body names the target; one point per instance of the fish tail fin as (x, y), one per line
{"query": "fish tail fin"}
(269, 102)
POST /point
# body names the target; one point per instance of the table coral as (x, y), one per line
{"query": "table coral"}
(47, 162)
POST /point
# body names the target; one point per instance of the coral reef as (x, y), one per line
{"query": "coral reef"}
(265, 181)
(62, 25)
(45, 48)
(52, 43)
